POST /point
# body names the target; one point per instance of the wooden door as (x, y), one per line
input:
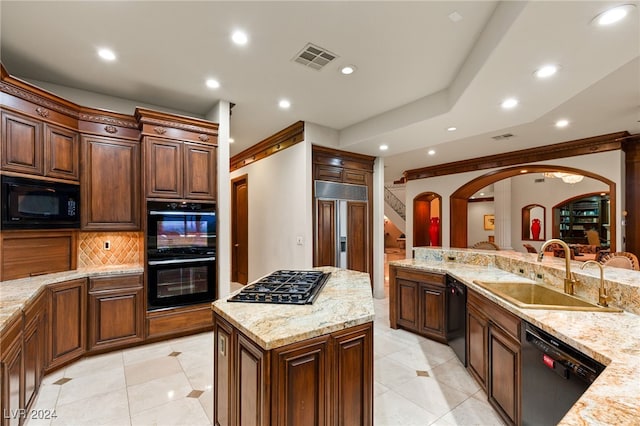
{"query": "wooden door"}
(357, 241)
(22, 146)
(407, 298)
(240, 230)
(251, 384)
(477, 351)
(61, 153)
(11, 374)
(199, 171)
(116, 318)
(110, 184)
(432, 306)
(35, 344)
(68, 319)
(504, 375)
(326, 233)
(163, 165)
(222, 372)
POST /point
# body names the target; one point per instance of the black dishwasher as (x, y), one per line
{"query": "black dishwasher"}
(554, 376)
(456, 311)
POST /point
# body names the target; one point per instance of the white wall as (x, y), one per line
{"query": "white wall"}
(525, 191)
(475, 221)
(279, 199)
(606, 164)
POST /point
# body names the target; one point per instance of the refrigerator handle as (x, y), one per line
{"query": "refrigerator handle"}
(343, 244)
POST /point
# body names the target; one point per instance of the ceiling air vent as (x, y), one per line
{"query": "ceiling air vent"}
(541, 180)
(502, 137)
(313, 56)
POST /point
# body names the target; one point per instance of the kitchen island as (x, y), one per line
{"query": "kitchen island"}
(297, 364)
(608, 337)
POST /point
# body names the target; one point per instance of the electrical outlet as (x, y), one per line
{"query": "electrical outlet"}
(107, 245)
(539, 276)
(299, 240)
(451, 258)
(521, 270)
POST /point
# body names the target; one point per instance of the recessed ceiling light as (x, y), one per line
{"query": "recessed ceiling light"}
(482, 194)
(562, 123)
(107, 54)
(349, 69)
(284, 104)
(212, 84)
(239, 37)
(546, 71)
(431, 152)
(524, 171)
(231, 140)
(613, 15)
(384, 147)
(451, 129)
(509, 103)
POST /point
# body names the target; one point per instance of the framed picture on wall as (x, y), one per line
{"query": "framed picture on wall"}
(489, 222)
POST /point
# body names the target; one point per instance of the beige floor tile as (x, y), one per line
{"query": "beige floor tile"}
(146, 352)
(151, 369)
(428, 393)
(419, 358)
(391, 373)
(391, 409)
(473, 412)
(453, 373)
(180, 412)
(379, 389)
(108, 409)
(86, 386)
(92, 364)
(158, 392)
(386, 344)
(206, 400)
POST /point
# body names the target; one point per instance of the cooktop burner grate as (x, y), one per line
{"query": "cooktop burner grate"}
(285, 287)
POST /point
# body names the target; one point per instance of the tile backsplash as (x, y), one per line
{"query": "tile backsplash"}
(124, 248)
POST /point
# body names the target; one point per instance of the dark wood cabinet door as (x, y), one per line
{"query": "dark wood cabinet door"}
(199, 171)
(326, 233)
(67, 321)
(357, 240)
(61, 153)
(407, 301)
(432, 307)
(504, 375)
(116, 317)
(302, 382)
(110, 184)
(35, 344)
(353, 377)
(222, 372)
(11, 374)
(477, 351)
(251, 384)
(22, 145)
(164, 171)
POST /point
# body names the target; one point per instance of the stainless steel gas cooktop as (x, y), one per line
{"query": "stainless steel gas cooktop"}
(287, 287)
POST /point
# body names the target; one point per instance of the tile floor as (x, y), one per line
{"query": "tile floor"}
(417, 382)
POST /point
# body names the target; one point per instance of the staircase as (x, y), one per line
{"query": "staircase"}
(394, 209)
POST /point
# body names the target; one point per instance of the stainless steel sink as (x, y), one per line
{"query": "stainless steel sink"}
(537, 296)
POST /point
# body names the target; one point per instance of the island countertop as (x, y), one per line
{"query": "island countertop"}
(610, 338)
(344, 301)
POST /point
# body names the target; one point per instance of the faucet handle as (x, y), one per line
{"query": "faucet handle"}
(603, 297)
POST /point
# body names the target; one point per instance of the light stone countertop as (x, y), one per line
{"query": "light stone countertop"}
(344, 301)
(15, 294)
(611, 338)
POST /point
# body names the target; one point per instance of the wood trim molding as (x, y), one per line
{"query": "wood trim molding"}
(159, 119)
(592, 145)
(284, 139)
(368, 159)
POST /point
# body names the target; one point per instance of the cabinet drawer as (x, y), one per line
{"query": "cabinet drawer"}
(498, 316)
(355, 176)
(110, 283)
(425, 277)
(333, 174)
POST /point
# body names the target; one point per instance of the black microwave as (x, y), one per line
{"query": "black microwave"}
(38, 204)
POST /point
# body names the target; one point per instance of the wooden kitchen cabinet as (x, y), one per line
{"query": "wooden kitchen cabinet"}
(67, 322)
(116, 311)
(493, 349)
(34, 147)
(325, 380)
(11, 373)
(110, 184)
(35, 346)
(417, 302)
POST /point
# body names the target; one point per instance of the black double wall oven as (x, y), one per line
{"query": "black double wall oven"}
(181, 253)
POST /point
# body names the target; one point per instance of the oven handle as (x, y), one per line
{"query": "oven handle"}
(180, 213)
(174, 261)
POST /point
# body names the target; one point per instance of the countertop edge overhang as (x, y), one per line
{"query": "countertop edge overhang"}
(611, 338)
(345, 301)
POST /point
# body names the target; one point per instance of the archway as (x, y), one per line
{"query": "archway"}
(460, 198)
(427, 214)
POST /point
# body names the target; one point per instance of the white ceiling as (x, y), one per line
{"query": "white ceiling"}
(418, 72)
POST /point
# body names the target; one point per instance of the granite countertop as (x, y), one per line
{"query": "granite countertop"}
(611, 338)
(15, 294)
(344, 301)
